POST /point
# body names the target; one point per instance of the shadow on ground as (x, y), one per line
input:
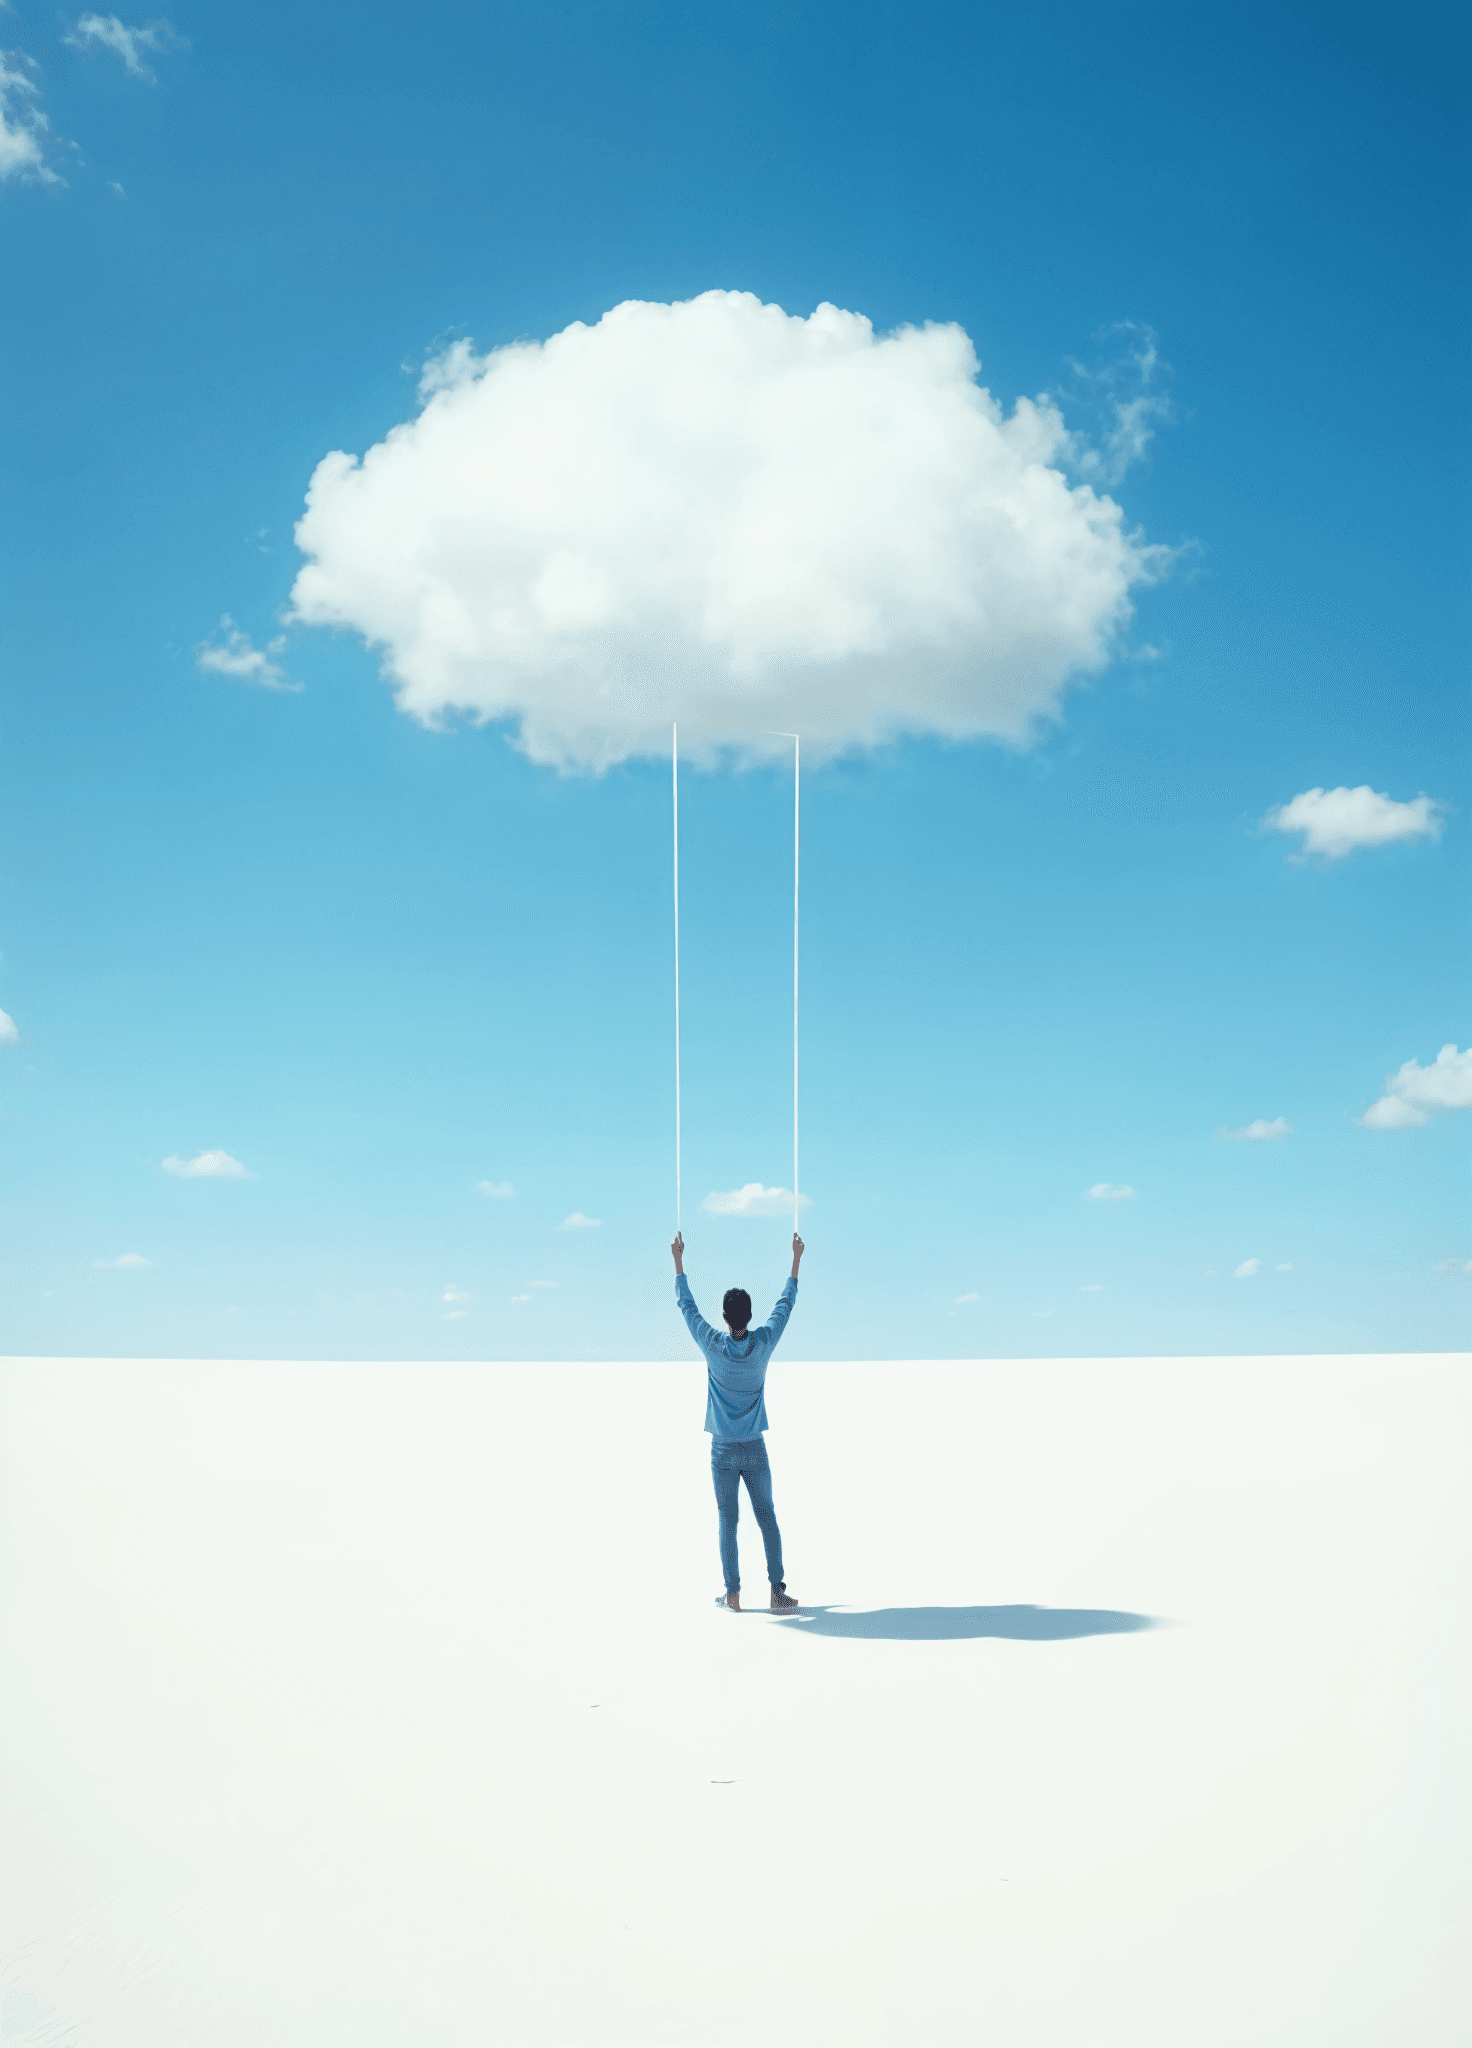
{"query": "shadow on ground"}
(951, 1624)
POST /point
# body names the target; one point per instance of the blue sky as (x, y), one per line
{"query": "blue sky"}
(378, 964)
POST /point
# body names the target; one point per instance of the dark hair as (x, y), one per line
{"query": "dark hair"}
(736, 1308)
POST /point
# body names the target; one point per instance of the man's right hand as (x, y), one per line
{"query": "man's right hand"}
(677, 1250)
(798, 1248)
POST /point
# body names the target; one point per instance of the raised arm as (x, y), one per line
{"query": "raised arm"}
(776, 1322)
(695, 1322)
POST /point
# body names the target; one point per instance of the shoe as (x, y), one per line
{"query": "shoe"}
(782, 1603)
(733, 1601)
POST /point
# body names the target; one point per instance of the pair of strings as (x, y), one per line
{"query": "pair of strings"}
(796, 857)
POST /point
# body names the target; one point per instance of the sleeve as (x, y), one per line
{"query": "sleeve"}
(695, 1322)
(777, 1321)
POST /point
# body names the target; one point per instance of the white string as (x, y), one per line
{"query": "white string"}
(796, 844)
(796, 859)
(675, 790)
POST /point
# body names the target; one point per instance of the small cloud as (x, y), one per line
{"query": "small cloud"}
(1126, 393)
(1335, 822)
(1454, 1266)
(8, 1033)
(129, 1262)
(206, 1166)
(1247, 1269)
(578, 1221)
(1285, 1267)
(544, 1283)
(106, 32)
(1092, 1287)
(241, 658)
(114, 186)
(753, 1200)
(966, 1297)
(454, 1293)
(453, 1315)
(1414, 1091)
(521, 1297)
(498, 1190)
(1106, 1191)
(1261, 1128)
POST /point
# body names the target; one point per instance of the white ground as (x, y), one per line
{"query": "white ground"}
(366, 1706)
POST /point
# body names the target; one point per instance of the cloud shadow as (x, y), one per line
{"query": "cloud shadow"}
(955, 1624)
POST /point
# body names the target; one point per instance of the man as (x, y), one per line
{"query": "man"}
(736, 1415)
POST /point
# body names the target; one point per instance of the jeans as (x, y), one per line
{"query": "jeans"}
(731, 1461)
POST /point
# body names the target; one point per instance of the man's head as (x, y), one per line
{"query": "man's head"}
(736, 1308)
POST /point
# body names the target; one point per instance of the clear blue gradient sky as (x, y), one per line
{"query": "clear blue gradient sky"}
(379, 964)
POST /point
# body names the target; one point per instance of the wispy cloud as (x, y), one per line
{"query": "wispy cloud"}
(753, 1200)
(238, 656)
(544, 1283)
(1092, 1287)
(1335, 822)
(206, 1166)
(1128, 396)
(1414, 1091)
(1106, 1191)
(1285, 1266)
(128, 1262)
(1260, 1127)
(1455, 1266)
(521, 1297)
(498, 1190)
(452, 1293)
(9, 1035)
(1248, 1269)
(960, 1298)
(578, 1221)
(106, 32)
(23, 127)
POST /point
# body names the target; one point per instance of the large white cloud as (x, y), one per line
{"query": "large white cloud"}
(717, 513)
(1335, 822)
(1414, 1091)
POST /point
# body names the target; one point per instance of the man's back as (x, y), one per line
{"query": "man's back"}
(736, 1366)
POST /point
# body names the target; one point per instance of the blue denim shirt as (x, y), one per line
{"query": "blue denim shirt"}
(737, 1367)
